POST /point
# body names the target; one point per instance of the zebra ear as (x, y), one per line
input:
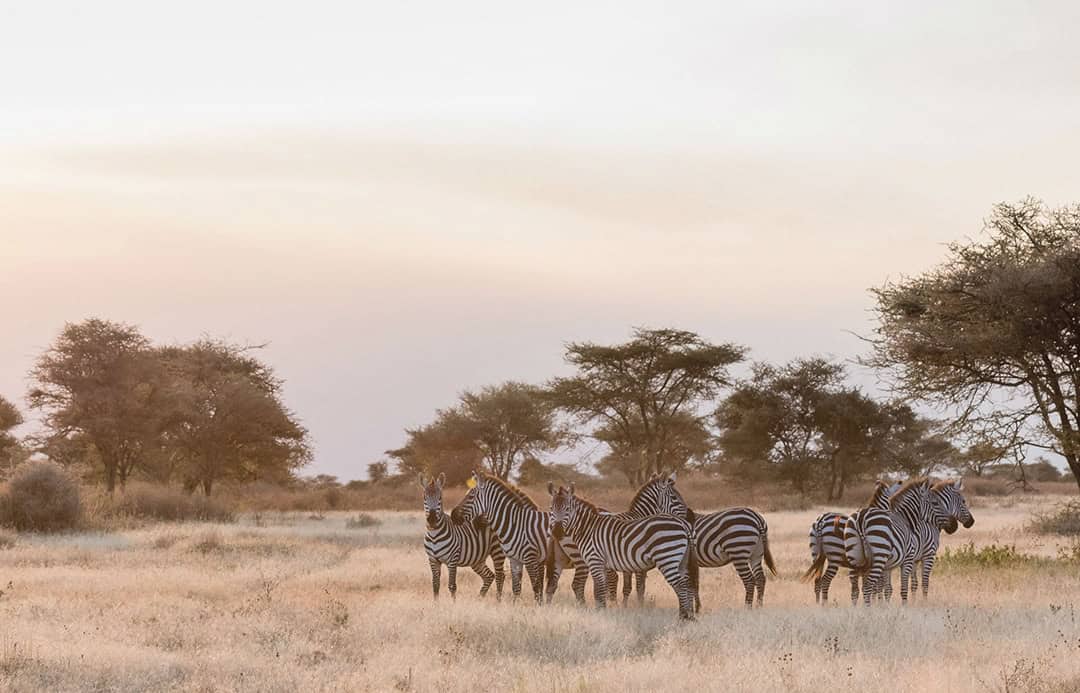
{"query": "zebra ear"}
(959, 484)
(441, 480)
(551, 488)
(671, 476)
(571, 488)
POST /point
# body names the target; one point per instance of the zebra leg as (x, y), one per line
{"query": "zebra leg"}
(746, 574)
(914, 589)
(759, 580)
(854, 577)
(536, 577)
(600, 590)
(886, 588)
(436, 574)
(581, 576)
(639, 583)
(627, 585)
(486, 575)
(905, 575)
(613, 587)
(451, 580)
(500, 575)
(826, 581)
(515, 577)
(679, 580)
(872, 579)
(927, 567)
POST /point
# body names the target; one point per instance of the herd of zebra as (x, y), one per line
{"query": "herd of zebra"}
(900, 527)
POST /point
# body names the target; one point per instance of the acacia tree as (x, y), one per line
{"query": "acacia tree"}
(639, 393)
(770, 425)
(226, 420)
(993, 333)
(98, 385)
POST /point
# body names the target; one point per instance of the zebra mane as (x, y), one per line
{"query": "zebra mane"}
(588, 504)
(880, 488)
(641, 491)
(906, 488)
(941, 485)
(514, 491)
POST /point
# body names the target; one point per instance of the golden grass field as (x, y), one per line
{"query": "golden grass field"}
(292, 603)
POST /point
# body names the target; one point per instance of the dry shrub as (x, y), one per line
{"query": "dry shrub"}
(7, 539)
(362, 521)
(208, 542)
(987, 487)
(169, 504)
(1063, 519)
(41, 497)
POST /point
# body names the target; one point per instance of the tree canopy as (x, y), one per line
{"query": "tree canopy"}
(642, 394)
(201, 413)
(992, 334)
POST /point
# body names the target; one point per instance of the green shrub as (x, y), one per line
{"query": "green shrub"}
(41, 497)
(992, 556)
(1064, 519)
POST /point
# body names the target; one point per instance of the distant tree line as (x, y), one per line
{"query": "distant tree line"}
(991, 336)
(989, 340)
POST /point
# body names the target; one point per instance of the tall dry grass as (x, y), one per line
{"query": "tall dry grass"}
(285, 602)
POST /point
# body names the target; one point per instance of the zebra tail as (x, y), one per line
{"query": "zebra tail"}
(818, 566)
(692, 567)
(768, 554)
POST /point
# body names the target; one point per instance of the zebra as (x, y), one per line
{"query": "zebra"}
(609, 542)
(949, 497)
(739, 536)
(827, 545)
(457, 544)
(877, 541)
(522, 529)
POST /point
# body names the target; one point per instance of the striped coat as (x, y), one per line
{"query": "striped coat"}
(609, 543)
(457, 545)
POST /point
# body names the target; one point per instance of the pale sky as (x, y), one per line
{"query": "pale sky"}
(410, 199)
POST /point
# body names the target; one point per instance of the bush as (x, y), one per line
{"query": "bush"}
(992, 556)
(1063, 519)
(41, 497)
(361, 521)
(169, 504)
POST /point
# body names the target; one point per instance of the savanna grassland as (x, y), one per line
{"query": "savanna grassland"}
(303, 602)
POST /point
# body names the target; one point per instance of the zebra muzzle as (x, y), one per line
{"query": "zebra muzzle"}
(558, 531)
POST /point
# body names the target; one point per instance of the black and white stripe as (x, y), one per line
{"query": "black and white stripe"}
(878, 541)
(457, 545)
(608, 542)
(827, 552)
(949, 497)
(522, 529)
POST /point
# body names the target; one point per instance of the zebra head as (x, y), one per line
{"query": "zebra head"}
(432, 499)
(672, 501)
(915, 500)
(563, 509)
(465, 511)
(658, 496)
(950, 496)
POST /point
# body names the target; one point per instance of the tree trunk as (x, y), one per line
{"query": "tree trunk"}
(207, 484)
(110, 477)
(1074, 465)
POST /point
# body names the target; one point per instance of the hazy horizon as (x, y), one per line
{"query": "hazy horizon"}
(409, 202)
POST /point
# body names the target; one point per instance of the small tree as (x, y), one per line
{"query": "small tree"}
(377, 471)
